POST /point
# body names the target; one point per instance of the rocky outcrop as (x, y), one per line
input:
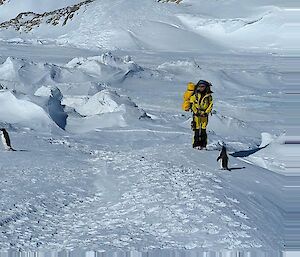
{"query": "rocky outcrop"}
(2, 2)
(26, 21)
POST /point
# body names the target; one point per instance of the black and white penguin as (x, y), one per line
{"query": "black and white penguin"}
(223, 158)
(6, 140)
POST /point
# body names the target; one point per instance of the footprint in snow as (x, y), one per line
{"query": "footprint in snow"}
(221, 204)
(240, 214)
(217, 187)
(233, 200)
(190, 246)
(211, 229)
(234, 224)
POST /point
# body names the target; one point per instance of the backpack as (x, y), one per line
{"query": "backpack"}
(187, 95)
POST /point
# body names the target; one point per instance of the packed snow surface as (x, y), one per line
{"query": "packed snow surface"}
(104, 159)
(128, 177)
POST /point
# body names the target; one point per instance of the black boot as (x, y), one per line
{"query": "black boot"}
(196, 142)
(203, 136)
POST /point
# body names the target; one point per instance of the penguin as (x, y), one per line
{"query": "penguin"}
(6, 140)
(223, 158)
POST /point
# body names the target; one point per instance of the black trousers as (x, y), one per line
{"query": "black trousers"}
(200, 138)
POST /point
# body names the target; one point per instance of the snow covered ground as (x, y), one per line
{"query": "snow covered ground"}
(104, 160)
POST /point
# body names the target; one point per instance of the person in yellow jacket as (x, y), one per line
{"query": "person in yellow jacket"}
(201, 103)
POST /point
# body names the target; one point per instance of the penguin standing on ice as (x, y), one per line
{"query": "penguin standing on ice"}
(223, 158)
(6, 140)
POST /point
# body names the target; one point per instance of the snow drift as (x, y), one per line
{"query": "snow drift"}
(103, 110)
(76, 94)
(278, 154)
(23, 113)
(153, 25)
(50, 97)
(106, 66)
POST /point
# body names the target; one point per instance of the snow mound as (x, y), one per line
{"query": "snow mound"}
(180, 67)
(225, 125)
(261, 30)
(87, 88)
(23, 113)
(88, 75)
(277, 156)
(77, 91)
(217, 26)
(49, 91)
(28, 76)
(50, 98)
(266, 139)
(105, 66)
(9, 68)
(103, 102)
(103, 110)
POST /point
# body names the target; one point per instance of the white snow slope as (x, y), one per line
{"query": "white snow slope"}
(104, 159)
(192, 25)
